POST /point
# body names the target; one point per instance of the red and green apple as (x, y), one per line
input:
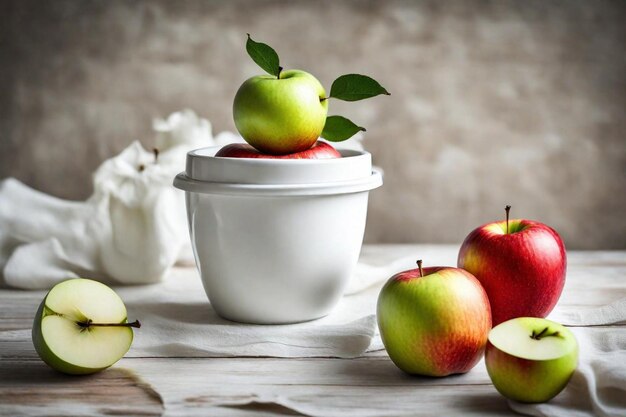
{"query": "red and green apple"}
(434, 321)
(531, 359)
(520, 263)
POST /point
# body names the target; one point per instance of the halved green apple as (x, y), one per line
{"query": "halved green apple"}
(81, 327)
(531, 359)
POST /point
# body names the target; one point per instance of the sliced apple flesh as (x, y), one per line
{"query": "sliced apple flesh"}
(81, 327)
(531, 339)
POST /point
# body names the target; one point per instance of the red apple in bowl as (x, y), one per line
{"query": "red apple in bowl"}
(520, 263)
(434, 321)
(320, 150)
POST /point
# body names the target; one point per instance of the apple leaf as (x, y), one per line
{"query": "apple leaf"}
(354, 87)
(338, 128)
(264, 55)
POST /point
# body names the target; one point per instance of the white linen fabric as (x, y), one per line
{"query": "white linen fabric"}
(130, 231)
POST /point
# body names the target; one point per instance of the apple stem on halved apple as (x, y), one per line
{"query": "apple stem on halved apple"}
(136, 324)
(507, 209)
(419, 266)
(543, 333)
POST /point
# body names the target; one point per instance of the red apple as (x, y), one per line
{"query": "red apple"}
(520, 263)
(320, 150)
(434, 321)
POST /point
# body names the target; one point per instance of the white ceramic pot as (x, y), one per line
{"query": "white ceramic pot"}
(276, 241)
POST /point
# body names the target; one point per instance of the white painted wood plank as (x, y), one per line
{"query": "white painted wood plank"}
(233, 386)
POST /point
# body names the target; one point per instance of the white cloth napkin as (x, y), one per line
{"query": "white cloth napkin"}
(130, 231)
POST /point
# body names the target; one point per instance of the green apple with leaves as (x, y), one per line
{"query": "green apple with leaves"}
(281, 115)
(286, 111)
(531, 359)
(81, 327)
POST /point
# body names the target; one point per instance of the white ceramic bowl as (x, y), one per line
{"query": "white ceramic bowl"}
(275, 241)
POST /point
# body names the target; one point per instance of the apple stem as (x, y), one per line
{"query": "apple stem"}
(507, 209)
(136, 324)
(543, 333)
(419, 266)
(280, 69)
(323, 99)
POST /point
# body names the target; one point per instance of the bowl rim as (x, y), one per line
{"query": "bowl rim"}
(375, 180)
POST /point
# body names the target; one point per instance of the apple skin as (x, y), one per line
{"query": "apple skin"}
(320, 150)
(523, 272)
(531, 381)
(283, 115)
(434, 325)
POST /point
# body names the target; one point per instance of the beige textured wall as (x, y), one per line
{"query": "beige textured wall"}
(492, 102)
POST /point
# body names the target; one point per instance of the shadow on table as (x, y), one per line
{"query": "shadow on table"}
(38, 373)
(265, 409)
(382, 370)
(31, 387)
(192, 313)
(466, 391)
(489, 403)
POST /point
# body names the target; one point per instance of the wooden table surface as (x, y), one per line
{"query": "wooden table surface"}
(369, 385)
